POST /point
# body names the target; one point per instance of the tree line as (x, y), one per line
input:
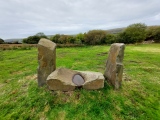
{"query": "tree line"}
(134, 33)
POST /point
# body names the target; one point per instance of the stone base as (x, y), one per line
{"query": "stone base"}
(93, 80)
(67, 80)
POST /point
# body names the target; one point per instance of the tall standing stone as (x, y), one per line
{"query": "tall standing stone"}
(46, 60)
(114, 65)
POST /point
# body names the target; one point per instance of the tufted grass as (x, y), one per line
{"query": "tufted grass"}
(138, 98)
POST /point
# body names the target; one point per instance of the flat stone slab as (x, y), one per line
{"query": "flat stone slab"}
(93, 80)
(67, 80)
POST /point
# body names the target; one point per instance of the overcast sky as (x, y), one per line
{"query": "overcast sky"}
(22, 18)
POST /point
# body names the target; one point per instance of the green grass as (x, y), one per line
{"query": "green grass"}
(138, 98)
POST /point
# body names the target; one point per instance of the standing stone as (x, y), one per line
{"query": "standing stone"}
(114, 66)
(46, 60)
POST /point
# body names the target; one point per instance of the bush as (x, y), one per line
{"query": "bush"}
(134, 33)
(110, 38)
(122, 38)
(31, 40)
(157, 35)
(63, 39)
(150, 32)
(34, 39)
(94, 37)
(41, 35)
(79, 38)
(1, 41)
(55, 38)
(153, 33)
(71, 39)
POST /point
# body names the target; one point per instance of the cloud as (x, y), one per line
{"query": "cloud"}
(21, 18)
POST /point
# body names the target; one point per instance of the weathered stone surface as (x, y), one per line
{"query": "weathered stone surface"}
(67, 80)
(114, 65)
(61, 79)
(46, 60)
(93, 80)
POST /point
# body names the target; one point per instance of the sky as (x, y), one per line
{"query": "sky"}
(23, 18)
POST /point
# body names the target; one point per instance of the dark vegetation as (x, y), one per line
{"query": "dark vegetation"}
(34, 39)
(153, 33)
(134, 33)
(1, 41)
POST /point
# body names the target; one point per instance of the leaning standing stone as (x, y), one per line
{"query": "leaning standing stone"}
(46, 60)
(114, 66)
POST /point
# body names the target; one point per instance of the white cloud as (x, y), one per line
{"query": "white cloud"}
(157, 17)
(21, 18)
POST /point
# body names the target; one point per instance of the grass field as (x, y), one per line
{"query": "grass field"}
(138, 98)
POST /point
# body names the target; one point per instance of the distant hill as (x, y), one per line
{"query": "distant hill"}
(115, 31)
(14, 39)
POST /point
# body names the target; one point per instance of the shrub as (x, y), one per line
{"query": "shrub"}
(55, 38)
(110, 38)
(71, 39)
(31, 40)
(34, 39)
(77, 41)
(1, 41)
(94, 37)
(80, 38)
(122, 38)
(157, 35)
(41, 35)
(153, 33)
(63, 39)
(134, 33)
(149, 33)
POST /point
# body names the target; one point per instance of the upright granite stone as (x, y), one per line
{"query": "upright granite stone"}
(46, 60)
(114, 65)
